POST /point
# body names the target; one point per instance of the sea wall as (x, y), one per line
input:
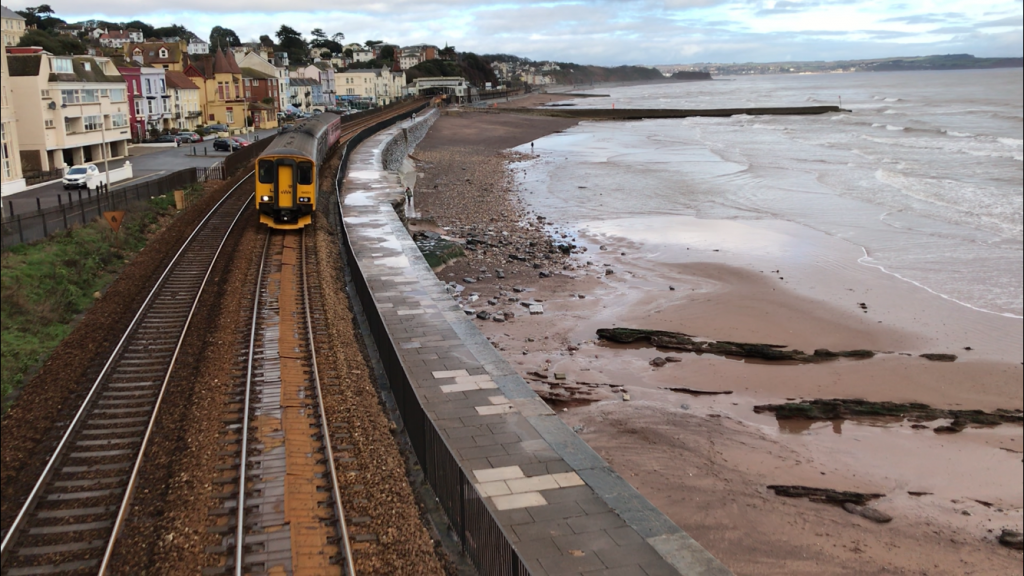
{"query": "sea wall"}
(652, 114)
(523, 493)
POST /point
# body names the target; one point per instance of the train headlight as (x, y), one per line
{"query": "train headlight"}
(304, 200)
(264, 198)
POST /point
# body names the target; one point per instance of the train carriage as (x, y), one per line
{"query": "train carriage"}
(287, 178)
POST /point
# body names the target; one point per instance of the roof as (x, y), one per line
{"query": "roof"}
(93, 74)
(254, 73)
(9, 14)
(179, 80)
(224, 63)
(151, 52)
(303, 82)
(23, 65)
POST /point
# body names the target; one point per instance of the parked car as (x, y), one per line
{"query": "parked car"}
(190, 137)
(241, 141)
(226, 145)
(217, 128)
(78, 176)
(167, 139)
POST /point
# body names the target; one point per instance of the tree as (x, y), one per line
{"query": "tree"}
(371, 43)
(56, 44)
(387, 53)
(338, 37)
(224, 37)
(320, 41)
(349, 53)
(172, 31)
(41, 17)
(266, 41)
(292, 42)
(318, 34)
(146, 29)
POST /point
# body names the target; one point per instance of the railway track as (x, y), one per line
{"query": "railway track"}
(286, 510)
(72, 518)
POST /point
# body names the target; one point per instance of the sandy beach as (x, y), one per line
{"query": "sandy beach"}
(706, 460)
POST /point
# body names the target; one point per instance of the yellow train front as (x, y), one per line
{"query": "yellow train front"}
(286, 173)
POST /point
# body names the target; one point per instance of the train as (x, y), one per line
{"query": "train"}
(287, 181)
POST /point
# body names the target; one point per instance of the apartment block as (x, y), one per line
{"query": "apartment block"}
(10, 152)
(71, 109)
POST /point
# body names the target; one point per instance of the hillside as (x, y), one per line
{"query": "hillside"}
(577, 74)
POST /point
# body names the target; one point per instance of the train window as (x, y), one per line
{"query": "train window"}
(305, 173)
(266, 171)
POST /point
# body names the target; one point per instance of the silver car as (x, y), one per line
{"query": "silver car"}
(78, 176)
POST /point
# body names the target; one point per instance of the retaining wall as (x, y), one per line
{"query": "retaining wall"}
(523, 493)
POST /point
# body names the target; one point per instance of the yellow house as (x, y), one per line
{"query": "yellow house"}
(184, 101)
(10, 152)
(165, 55)
(221, 95)
(13, 25)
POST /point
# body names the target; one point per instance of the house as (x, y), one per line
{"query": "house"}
(118, 38)
(10, 152)
(258, 63)
(322, 73)
(165, 55)
(219, 79)
(377, 86)
(97, 33)
(263, 96)
(184, 101)
(413, 55)
(362, 55)
(71, 109)
(302, 92)
(70, 29)
(136, 117)
(198, 46)
(13, 26)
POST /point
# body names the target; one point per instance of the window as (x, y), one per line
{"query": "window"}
(117, 95)
(246, 81)
(87, 66)
(62, 66)
(119, 120)
(45, 94)
(138, 107)
(231, 116)
(67, 126)
(163, 52)
(89, 96)
(150, 103)
(163, 87)
(93, 123)
(104, 93)
(266, 171)
(69, 96)
(48, 123)
(149, 86)
(305, 173)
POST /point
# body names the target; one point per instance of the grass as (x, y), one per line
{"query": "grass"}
(45, 285)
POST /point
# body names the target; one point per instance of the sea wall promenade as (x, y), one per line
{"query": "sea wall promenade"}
(522, 492)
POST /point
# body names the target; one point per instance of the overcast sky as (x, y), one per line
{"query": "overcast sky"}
(612, 32)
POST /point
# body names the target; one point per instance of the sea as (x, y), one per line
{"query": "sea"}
(922, 173)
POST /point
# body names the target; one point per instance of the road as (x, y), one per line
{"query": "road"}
(147, 163)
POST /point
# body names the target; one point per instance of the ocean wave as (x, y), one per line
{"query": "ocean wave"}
(840, 117)
(1011, 142)
(984, 146)
(891, 111)
(894, 128)
(957, 134)
(893, 100)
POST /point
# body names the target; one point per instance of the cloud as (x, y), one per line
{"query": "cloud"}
(1009, 22)
(925, 18)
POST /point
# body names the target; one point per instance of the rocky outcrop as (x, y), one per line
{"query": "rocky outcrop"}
(843, 409)
(689, 76)
(1012, 539)
(687, 343)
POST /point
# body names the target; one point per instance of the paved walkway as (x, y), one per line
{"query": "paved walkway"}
(563, 509)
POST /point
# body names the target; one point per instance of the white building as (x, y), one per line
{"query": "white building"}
(362, 55)
(457, 89)
(155, 105)
(118, 38)
(197, 46)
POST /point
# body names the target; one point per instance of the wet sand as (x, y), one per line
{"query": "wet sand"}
(706, 460)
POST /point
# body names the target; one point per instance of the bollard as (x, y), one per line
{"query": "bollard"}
(204, 151)
(194, 151)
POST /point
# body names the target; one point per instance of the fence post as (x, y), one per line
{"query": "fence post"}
(39, 205)
(21, 233)
(63, 211)
(10, 204)
(46, 232)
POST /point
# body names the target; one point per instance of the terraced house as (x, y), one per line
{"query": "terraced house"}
(13, 26)
(71, 109)
(219, 79)
(184, 101)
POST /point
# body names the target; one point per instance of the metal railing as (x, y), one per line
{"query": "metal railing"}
(38, 177)
(241, 158)
(83, 206)
(481, 536)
